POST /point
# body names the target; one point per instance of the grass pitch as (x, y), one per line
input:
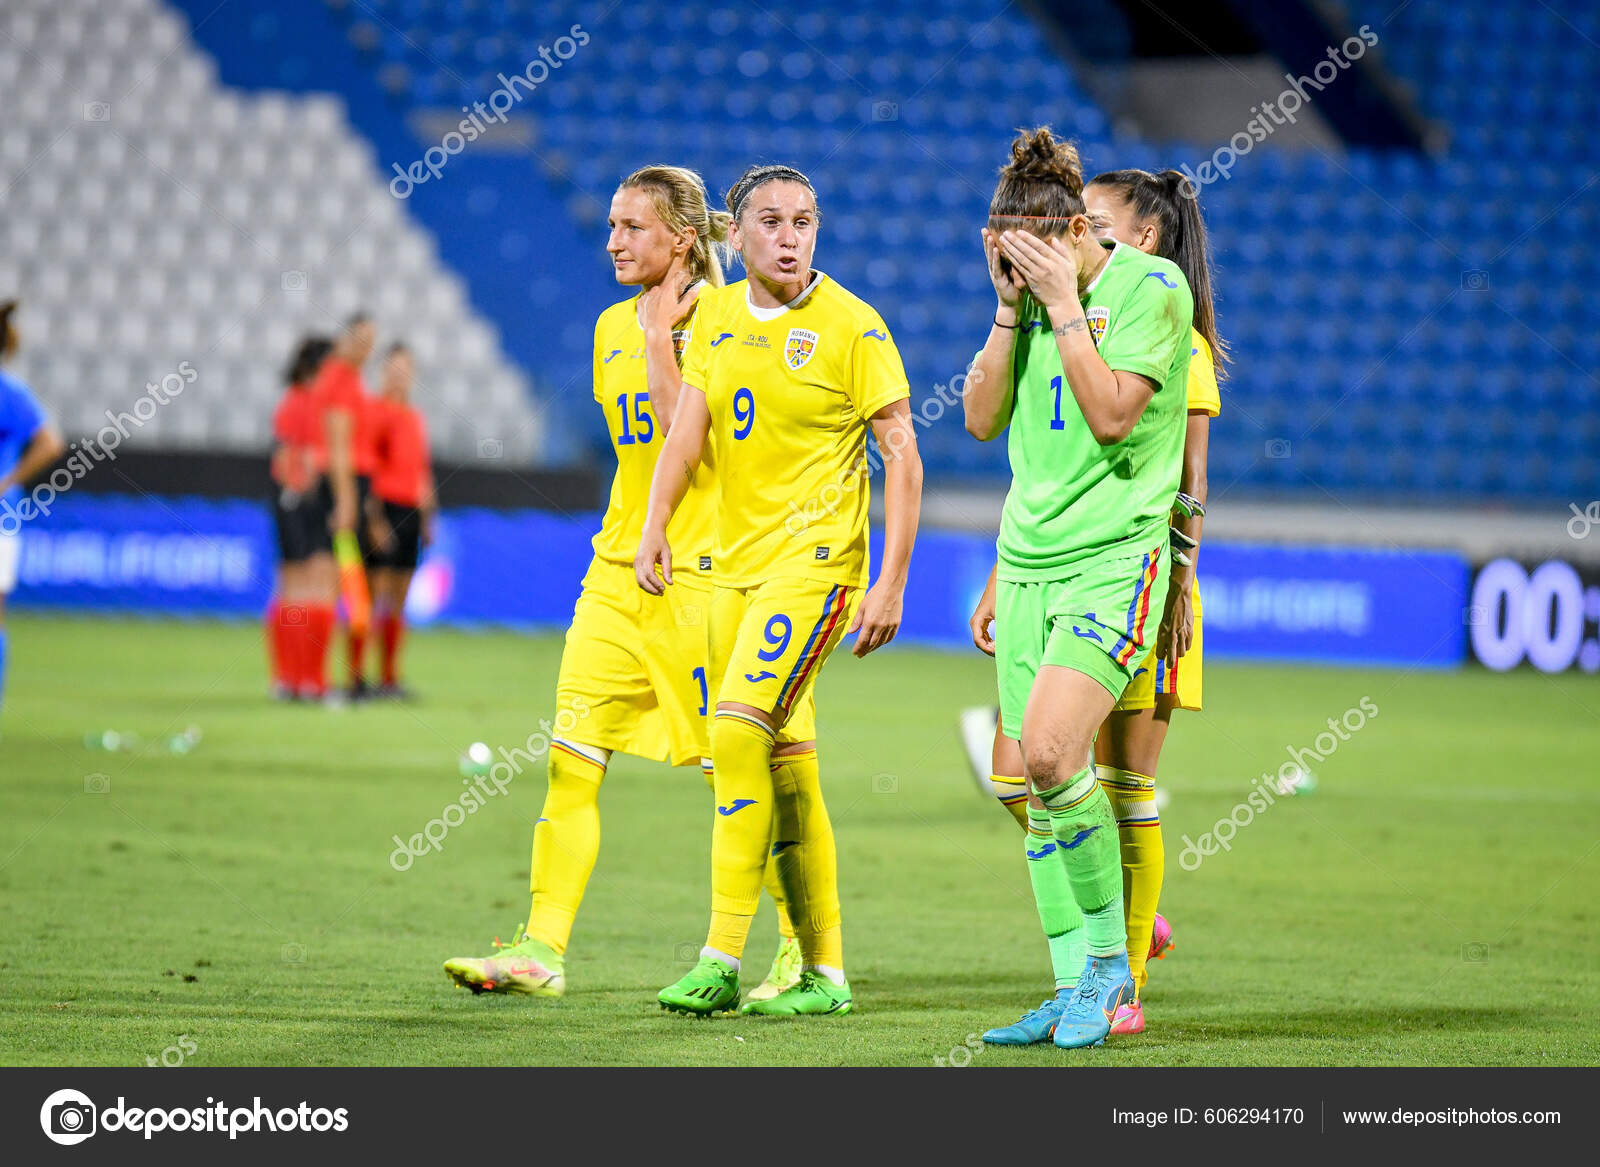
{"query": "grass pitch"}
(1430, 904)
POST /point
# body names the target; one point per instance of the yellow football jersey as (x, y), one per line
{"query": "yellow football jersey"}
(623, 391)
(1203, 394)
(790, 391)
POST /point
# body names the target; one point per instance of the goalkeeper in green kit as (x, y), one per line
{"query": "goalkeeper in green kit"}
(1086, 368)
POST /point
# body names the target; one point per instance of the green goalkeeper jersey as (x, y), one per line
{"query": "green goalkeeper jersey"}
(1071, 498)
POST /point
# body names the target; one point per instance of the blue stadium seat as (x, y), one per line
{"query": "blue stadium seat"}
(1380, 305)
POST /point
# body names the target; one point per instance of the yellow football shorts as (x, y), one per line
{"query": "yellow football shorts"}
(633, 671)
(769, 642)
(1155, 678)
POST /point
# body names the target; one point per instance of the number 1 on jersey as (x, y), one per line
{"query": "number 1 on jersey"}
(1057, 423)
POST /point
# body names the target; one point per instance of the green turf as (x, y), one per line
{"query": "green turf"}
(1431, 903)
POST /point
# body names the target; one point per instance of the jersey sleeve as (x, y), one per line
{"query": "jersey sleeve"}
(595, 359)
(20, 413)
(1156, 317)
(877, 375)
(1204, 396)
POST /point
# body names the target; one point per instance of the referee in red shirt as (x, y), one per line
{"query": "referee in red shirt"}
(300, 616)
(401, 507)
(345, 410)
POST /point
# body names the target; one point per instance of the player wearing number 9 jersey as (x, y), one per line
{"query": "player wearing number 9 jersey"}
(782, 377)
(633, 670)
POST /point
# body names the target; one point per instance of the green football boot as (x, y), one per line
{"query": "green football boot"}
(812, 995)
(709, 987)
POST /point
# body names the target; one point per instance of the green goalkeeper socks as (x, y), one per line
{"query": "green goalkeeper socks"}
(1052, 895)
(1085, 832)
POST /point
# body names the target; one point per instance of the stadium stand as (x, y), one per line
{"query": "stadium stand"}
(1463, 381)
(153, 217)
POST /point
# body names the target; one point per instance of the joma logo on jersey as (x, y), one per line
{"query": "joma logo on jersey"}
(1098, 318)
(799, 348)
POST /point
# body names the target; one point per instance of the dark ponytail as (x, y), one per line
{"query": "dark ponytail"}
(1172, 202)
(307, 359)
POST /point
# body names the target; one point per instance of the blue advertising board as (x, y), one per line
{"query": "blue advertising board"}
(523, 569)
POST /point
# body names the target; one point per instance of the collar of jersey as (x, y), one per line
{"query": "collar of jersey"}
(1105, 267)
(766, 315)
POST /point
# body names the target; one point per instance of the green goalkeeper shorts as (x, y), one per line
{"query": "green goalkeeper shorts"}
(1100, 622)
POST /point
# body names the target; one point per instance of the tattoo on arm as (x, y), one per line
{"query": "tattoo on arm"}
(1078, 325)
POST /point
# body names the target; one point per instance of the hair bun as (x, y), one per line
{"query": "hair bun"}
(1037, 156)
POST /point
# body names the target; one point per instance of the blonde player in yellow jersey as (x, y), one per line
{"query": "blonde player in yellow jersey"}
(1154, 213)
(782, 377)
(633, 675)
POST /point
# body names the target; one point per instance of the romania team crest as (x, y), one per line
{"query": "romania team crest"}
(800, 347)
(1098, 317)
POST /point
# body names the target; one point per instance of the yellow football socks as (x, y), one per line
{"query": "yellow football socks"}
(566, 840)
(1133, 801)
(1013, 795)
(741, 835)
(807, 860)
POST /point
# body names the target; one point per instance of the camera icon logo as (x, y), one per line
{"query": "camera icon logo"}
(1475, 280)
(1474, 614)
(96, 783)
(885, 784)
(1277, 448)
(885, 111)
(293, 281)
(686, 953)
(1584, 521)
(1475, 953)
(292, 953)
(97, 111)
(68, 1117)
(491, 448)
